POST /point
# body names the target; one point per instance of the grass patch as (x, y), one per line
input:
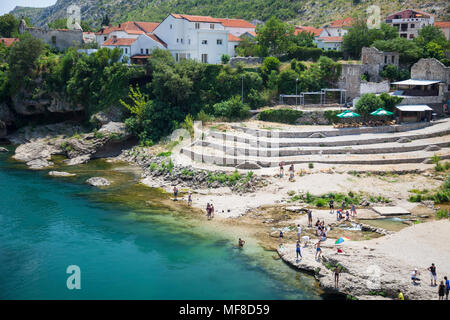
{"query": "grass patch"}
(289, 116)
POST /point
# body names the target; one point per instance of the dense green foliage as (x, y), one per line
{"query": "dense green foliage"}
(441, 195)
(370, 102)
(393, 73)
(8, 26)
(280, 115)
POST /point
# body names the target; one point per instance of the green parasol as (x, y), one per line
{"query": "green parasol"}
(381, 112)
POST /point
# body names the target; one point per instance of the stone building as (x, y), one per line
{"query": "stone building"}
(61, 39)
(373, 62)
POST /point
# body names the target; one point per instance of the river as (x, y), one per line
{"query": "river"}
(123, 251)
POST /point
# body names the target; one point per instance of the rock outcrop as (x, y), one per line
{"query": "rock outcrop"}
(98, 182)
(61, 174)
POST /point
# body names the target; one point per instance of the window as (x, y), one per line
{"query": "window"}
(189, 41)
(54, 39)
(219, 41)
(178, 40)
(126, 50)
(411, 36)
(142, 51)
(176, 57)
(204, 58)
(197, 25)
(211, 26)
(412, 25)
(146, 51)
(204, 41)
(392, 59)
(104, 38)
(181, 40)
(385, 59)
(170, 26)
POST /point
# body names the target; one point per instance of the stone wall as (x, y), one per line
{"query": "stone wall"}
(374, 60)
(374, 87)
(60, 39)
(430, 69)
(350, 79)
(245, 60)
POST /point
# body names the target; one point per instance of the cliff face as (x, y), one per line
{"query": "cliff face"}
(312, 12)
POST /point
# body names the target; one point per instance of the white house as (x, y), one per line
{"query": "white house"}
(135, 49)
(409, 22)
(201, 38)
(233, 42)
(332, 34)
(237, 27)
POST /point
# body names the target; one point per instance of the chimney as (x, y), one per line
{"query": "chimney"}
(114, 39)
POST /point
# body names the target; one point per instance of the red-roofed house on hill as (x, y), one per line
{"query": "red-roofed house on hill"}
(445, 27)
(409, 22)
(137, 49)
(8, 41)
(332, 34)
(237, 27)
(314, 31)
(129, 29)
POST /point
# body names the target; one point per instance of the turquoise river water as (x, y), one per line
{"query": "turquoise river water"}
(47, 224)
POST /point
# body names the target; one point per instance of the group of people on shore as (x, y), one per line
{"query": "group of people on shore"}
(291, 171)
(209, 211)
(340, 213)
(444, 286)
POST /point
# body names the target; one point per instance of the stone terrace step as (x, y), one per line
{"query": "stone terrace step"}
(333, 132)
(440, 129)
(242, 149)
(206, 155)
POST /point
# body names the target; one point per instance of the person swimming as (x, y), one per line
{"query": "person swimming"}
(241, 243)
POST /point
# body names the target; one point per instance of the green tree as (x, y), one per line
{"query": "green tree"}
(231, 109)
(368, 103)
(8, 26)
(273, 37)
(409, 51)
(269, 64)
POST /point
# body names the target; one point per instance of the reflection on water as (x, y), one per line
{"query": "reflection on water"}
(127, 243)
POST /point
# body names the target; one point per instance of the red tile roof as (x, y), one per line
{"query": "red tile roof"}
(442, 24)
(347, 22)
(236, 23)
(406, 14)
(131, 27)
(8, 41)
(195, 18)
(233, 38)
(299, 29)
(157, 39)
(331, 39)
(119, 42)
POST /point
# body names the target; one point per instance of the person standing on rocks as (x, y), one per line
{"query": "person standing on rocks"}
(281, 169)
(343, 205)
(433, 274)
(447, 287)
(441, 290)
(299, 232)
(318, 250)
(208, 211)
(299, 253)
(212, 211)
(336, 277)
(309, 213)
(353, 210)
(331, 204)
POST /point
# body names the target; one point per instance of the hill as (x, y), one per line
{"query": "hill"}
(309, 12)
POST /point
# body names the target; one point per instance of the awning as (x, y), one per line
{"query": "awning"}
(412, 82)
(414, 108)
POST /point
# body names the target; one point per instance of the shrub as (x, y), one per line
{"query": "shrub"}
(225, 58)
(442, 214)
(280, 115)
(311, 165)
(367, 103)
(331, 116)
(304, 53)
(231, 109)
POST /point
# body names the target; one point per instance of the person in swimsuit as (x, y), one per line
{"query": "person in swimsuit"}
(336, 277)
(241, 243)
(318, 250)
(433, 274)
(299, 232)
(331, 204)
(281, 169)
(190, 199)
(208, 210)
(353, 211)
(175, 192)
(447, 287)
(299, 253)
